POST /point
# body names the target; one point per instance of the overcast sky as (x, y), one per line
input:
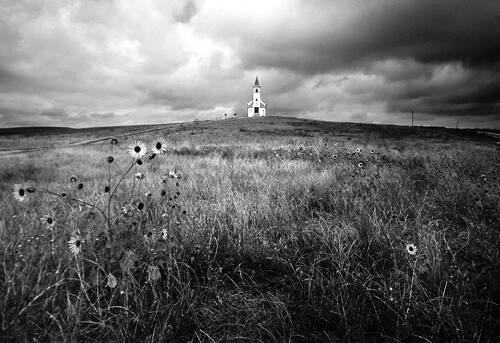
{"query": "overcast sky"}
(117, 62)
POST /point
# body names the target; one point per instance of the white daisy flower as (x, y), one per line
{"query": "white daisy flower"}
(19, 192)
(137, 149)
(75, 244)
(159, 146)
(411, 249)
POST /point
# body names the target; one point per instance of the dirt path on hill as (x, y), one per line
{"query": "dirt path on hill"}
(74, 144)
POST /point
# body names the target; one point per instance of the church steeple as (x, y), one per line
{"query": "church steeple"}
(256, 84)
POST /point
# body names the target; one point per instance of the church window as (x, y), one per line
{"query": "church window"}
(255, 110)
(256, 90)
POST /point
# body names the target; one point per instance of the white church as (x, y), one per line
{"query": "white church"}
(256, 107)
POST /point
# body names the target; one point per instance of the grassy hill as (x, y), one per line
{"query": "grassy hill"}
(29, 137)
(260, 229)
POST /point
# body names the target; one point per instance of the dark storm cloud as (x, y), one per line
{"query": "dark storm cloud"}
(87, 63)
(428, 31)
(461, 91)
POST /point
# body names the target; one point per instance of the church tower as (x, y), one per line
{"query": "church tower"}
(256, 107)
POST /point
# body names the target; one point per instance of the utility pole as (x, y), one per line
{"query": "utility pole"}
(411, 118)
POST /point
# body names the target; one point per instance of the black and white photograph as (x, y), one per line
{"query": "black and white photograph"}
(250, 171)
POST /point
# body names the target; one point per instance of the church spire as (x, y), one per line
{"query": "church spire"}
(256, 82)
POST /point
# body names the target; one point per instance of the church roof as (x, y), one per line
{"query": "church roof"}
(256, 81)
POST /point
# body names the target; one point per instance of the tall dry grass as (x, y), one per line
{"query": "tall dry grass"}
(265, 239)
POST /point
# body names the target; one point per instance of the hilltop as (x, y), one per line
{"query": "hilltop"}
(52, 137)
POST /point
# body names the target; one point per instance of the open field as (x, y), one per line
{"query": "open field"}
(276, 230)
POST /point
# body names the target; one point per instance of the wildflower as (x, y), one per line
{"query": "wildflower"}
(334, 157)
(110, 159)
(112, 283)
(163, 192)
(358, 150)
(177, 175)
(164, 234)
(372, 151)
(171, 174)
(139, 161)
(154, 273)
(75, 244)
(140, 206)
(148, 194)
(19, 192)
(137, 149)
(360, 165)
(164, 215)
(139, 176)
(159, 146)
(80, 186)
(411, 249)
(48, 221)
(106, 189)
(64, 194)
(73, 179)
(114, 141)
(164, 179)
